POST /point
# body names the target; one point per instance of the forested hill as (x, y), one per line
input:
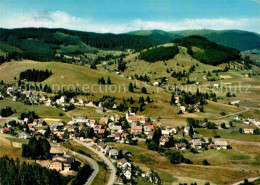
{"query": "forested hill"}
(241, 40)
(20, 36)
(206, 51)
(42, 43)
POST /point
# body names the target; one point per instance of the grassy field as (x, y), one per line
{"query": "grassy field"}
(231, 133)
(42, 110)
(7, 149)
(84, 75)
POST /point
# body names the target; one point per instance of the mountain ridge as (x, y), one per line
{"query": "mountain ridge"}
(238, 39)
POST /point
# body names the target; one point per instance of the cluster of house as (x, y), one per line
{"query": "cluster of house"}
(30, 96)
(26, 134)
(248, 121)
(61, 163)
(35, 98)
(252, 121)
(218, 144)
(184, 109)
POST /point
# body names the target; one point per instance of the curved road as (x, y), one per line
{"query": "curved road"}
(235, 113)
(112, 178)
(92, 163)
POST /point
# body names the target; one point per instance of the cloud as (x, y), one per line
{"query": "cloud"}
(257, 1)
(60, 19)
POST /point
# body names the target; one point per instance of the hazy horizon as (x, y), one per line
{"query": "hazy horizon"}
(121, 16)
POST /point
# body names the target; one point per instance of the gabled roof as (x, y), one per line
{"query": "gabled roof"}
(122, 161)
(118, 134)
(103, 120)
(113, 152)
(136, 127)
(151, 127)
(5, 130)
(181, 145)
(117, 116)
(220, 143)
(101, 131)
(115, 127)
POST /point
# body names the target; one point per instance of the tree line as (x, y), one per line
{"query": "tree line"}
(5, 112)
(159, 54)
(17, 173)
(213, 53)
(36, 148)
(35, 75)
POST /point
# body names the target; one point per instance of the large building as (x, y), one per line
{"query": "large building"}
(61, 163)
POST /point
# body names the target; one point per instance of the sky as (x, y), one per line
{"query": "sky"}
(119, 16)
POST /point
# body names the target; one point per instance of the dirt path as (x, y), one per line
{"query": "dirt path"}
(249, 180)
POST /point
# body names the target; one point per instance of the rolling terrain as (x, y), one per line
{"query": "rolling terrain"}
(70, 54)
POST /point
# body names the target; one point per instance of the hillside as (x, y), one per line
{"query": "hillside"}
(241, 40)
(159, 53)
(43, 44)
(206, 51)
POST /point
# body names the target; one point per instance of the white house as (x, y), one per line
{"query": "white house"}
(248, 131)
(174, 130)
(115, 128)
(122, 163)
(127, 173)
(221, 144)
(23, 135)
(246, 121)
(182, 108)
(186, 130)
(165, 132)
(80, 119)
(156, 84)
(113, 153)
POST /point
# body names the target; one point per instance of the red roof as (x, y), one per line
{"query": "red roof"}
(117, 116)
(125, 134)
(117, 134)
(5, 130)
(101, 131)
(136, 128)
(134, 118)
(150, 126)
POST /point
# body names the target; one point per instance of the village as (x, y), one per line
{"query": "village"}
(126, 129)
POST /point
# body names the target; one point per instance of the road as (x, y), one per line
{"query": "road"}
(92, 163)
(235, 113)
(112, 178)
